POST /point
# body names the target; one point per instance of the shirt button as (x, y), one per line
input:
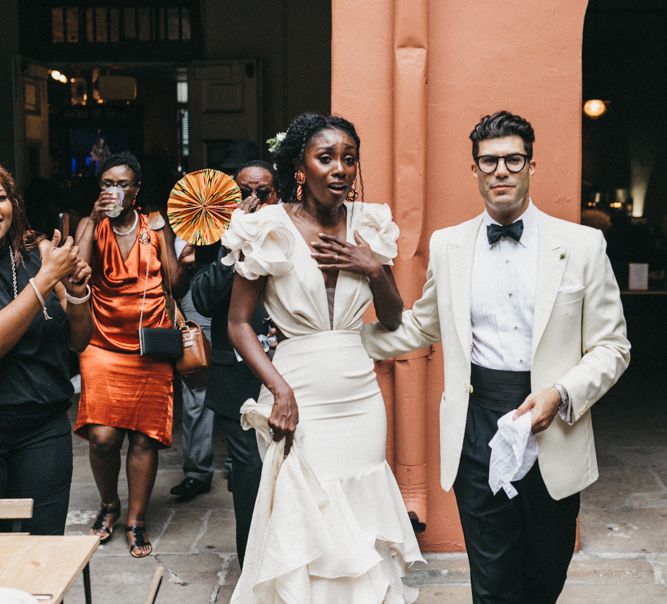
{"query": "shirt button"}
(507, 261)
(515, 328)
(510, 294)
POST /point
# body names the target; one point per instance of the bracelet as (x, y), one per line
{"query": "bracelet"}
(74, 300)
(41, 300)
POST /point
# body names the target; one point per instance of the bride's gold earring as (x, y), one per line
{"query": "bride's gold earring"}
(352, 193)
(300, 178)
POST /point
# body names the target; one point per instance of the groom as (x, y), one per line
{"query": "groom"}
(530, 317)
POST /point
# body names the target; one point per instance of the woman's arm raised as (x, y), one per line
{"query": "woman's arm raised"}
(16, 317)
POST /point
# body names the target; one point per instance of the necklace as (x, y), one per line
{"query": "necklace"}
(131, 229)
(11, 260)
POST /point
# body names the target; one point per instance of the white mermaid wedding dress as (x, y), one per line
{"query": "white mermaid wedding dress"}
(329, 526)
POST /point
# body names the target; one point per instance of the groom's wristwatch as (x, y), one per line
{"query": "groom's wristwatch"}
(564, 406)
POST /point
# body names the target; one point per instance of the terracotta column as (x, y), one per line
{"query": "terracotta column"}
(410, 114)
(476, 57)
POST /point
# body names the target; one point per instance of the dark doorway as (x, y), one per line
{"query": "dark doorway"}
(624, 192)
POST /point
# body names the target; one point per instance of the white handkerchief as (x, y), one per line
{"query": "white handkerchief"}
(513, 453)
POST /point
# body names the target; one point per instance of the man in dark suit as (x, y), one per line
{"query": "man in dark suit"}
(230, 381)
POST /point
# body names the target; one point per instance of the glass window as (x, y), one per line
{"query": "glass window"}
(186, 30)
(144, 18)
(174, 23)
(162, 23)
(114, 25)
(57, 25)
(182, 92)
(101, 25)
(90, 25)
(72, 19)
(130, 23)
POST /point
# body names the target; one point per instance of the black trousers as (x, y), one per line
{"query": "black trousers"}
(246, 472)
(519, 549)
(36, 462)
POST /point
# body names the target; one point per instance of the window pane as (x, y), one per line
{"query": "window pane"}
(182, 92)
(174, 24)
(72, 25)
(114, 25)
(162, 23)
(129, 24)
(101, 25)
(57, 25)
(144, 15)
(90, 25)
(185, 132)
(186, 32)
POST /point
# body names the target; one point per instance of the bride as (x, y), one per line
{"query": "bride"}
(329, 525)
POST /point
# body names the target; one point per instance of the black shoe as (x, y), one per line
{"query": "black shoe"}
(228, 472)
(189, 488)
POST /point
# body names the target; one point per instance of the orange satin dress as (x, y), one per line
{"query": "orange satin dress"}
(120, 388)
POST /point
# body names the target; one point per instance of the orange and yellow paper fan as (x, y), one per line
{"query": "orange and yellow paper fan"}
(200, 206)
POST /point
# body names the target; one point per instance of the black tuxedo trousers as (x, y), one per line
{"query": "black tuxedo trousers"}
(519, 549)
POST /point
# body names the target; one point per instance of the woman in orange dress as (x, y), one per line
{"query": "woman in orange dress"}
(123, 392)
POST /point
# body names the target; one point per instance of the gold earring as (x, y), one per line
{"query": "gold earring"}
(352, 193)
(300, 178)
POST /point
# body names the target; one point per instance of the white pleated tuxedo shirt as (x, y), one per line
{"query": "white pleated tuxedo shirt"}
(504, 277)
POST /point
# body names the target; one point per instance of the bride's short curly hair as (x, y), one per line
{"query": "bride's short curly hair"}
(290, 151)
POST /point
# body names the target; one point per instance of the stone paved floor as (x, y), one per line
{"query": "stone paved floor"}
(624, 531)
(623, 557)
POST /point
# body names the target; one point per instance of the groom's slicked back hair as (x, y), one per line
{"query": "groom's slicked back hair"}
(503, 123)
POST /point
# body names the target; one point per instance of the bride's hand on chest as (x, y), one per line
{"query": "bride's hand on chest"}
(334, 254)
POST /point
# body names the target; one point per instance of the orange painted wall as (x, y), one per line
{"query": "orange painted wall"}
(480, 57)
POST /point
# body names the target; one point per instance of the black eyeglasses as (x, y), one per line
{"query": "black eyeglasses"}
(122, 184)
(514, 162)
(262, 193)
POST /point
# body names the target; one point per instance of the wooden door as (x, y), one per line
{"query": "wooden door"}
(225, 123)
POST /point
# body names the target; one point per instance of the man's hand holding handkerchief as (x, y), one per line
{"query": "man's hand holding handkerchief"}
(513, 452)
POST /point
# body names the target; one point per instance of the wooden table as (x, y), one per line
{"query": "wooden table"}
(46, 565)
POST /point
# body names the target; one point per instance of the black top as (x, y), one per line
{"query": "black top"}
(36, 370)
(230, 382)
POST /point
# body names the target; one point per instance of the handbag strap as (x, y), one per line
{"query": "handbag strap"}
(179, 319)
(143, 298)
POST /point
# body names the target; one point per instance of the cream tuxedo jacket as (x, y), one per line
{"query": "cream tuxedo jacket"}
(579, 340)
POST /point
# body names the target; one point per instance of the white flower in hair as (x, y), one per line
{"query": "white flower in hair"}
(274, 142)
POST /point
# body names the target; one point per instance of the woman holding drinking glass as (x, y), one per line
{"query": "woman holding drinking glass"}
(122, 392)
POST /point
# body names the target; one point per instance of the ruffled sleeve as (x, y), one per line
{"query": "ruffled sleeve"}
(375, 225)
(259, 244)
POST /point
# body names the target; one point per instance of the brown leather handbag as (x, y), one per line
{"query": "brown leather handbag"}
(193, 365)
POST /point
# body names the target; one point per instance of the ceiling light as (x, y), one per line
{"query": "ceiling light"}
(595, 108)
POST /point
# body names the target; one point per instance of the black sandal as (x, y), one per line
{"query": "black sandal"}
(99, 525)
(140, 540)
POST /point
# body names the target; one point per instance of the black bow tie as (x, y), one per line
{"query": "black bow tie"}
(495, 231)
